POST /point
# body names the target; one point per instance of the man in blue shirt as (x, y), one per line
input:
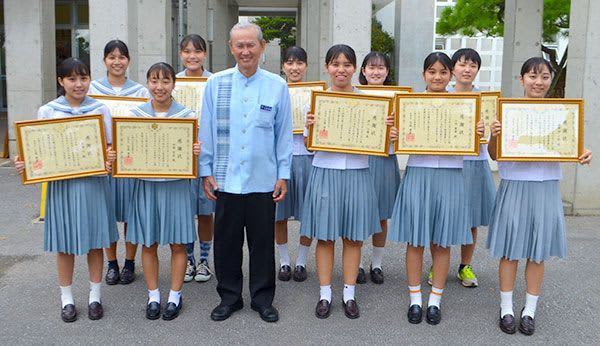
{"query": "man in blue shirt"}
(246, 135)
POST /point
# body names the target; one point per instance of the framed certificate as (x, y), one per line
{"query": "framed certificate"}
(489, 111)
(155, 147)
(62, 148)
(120, 106)
(540, 129)
(350, 123)
(384, 90)
(189, 91)
(437, 123)
(299, 97)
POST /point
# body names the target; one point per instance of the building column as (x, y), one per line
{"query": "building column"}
(580, 187)
(30, 60)
(154, 33)
(522, 40)
(414, 35)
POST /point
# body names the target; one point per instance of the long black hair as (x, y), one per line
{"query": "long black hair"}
(440, 57)
(375, 57)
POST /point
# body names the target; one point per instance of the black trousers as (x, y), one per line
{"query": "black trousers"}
(256, 213)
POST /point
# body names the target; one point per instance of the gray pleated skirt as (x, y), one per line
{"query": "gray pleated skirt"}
(340, 203)
(122, 191)
(79, 216)
(292, 204)
(386, 177)
(481, 191)
(161, 212)
(202, 205)
(527, 221)
(431, 208)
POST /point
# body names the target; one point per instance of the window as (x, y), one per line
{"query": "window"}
(72, 30)
(440, 43)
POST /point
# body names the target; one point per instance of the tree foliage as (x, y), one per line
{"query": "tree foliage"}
(383, 42)
(283, 28)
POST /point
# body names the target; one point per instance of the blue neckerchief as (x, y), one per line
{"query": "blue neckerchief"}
(106, 88)
(176, 110)
(61, 104)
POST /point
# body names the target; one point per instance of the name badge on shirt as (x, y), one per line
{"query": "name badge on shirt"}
(266, 108)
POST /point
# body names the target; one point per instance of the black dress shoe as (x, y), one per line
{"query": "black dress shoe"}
(69, 313)
(434, 315)
(527, 325)
(300, 274)
(267, 313)
(361, 278)
(153, 311)
(112, 276)
(507, 323)
(377, 275)
(415, 314)
(127, 276)
(285, 273)
(95, 311)
(323, 309)
(351, 309)
(222, 311)
(172, 310)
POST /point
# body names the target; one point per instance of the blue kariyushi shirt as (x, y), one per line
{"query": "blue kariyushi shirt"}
(246, 131)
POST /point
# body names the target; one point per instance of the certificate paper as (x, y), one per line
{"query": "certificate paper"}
(437, 123)
(489, 111)
(63, 148)
(349, 123)
(384, 90)
(299, 97)
(540, 130)
(189, 91)
(120, 106)
(154, 147)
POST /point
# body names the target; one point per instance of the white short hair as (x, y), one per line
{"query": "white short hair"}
(241, 26)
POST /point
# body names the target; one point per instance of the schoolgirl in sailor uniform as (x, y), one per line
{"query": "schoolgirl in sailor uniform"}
(79, 217)
(192, 52)
(116, 83)
(162, 210)
(527, 219)
(429, 208)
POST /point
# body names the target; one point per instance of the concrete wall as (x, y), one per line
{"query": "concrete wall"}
(154, 33)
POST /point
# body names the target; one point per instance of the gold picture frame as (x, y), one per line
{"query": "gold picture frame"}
(119, 104)
(384, 90)
(300, 95)
(489, 111)
(191, 93)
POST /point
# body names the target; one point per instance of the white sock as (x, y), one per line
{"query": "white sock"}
(348, 292)
(506, 303)
(95, 292)
(415, 295)
(66, 296)
(174, 297)
(435, 297)
(377, 257)
(302, 253)
(284, 256)
(361, 263)
(530, 305)
(154, 296)
(325, 293)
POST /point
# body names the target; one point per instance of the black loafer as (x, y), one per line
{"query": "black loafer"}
(300, 274)
(361, 278)
(527, 325)
(127, 276)
(351, 309)
(222, 311)
(415, 314)
(267, 313)
(172, 310)
(323, 309)
(507, 324)
(377, 275)
(95, 311)
(69, 313)
(112, 276)
(285, 273)
(153, 311)
(434, 315)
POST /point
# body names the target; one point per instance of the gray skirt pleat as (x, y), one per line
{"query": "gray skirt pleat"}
(481, 191)
(293, 203)
(386, 177)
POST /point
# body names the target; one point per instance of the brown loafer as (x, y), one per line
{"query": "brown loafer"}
(69, 313)
(95, 311)
(323, 309)
(507, 324)
(351, 309)
(285, 273)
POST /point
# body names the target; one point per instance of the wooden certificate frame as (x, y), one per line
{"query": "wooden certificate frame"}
(34, 145)
(298, 104)
(197, 107)
(470, 145)
(487, 120)
(536, 105)
(387, 90)
(352, 103)
(132, 144)
(106, 100)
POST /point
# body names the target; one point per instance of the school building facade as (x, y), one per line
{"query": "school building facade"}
(37, 34)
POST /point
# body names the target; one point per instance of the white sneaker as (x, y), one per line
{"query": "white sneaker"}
(190, 272)
(203, 272)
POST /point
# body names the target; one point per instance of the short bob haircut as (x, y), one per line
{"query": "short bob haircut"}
(196, 40)
(434, 57)
(111, 46)
(161, 69)
(468, 54)
(295, 53)
(340, 49)
(535, 65)
(375, 57)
